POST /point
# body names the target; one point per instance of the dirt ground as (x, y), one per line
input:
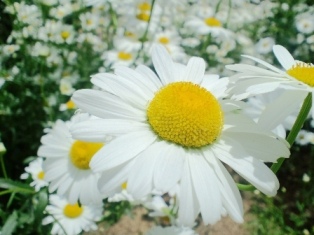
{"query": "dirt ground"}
(136, 225)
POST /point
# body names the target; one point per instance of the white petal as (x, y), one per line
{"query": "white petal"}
(168, 168)
(121, 150)
(253, 170)
(100, 129)
(148, 86)
(163, 64)
(195, 70)
(205, 185)
(111, 181)
(140, 181)
(52, 151)
(188, 204)
(267, 65)
(247, 69)
(148, 74)
(125, 89)
(278, 110)
(283, 56)
(105, 105)
(230, 193)
(263, 147)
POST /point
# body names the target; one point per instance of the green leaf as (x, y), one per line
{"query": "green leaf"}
(15, 186)
(10, 224)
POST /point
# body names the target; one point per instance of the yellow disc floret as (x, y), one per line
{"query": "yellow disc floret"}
(124, 55)
(72, 210)
(212, 22)
(303, 72)
(65, 35)
(41, 175)
(82, 152)
(163, 40)
(186, 114)
(144, 6)
(143, 16)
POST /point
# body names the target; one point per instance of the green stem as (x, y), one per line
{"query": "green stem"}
(2, 164)
(143, 39)
(302, 116)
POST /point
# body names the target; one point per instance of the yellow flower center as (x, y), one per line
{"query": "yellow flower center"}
(303, 72)
(186, 114)
(65, 34)
(124, 55)
(72, 210)
(41, 175)
(212, 22)
(124, 185)
(89, 22)
(82, 152)
(70, 104)
(143, 16)
(164, 40)
(144, 6)
(129, 34)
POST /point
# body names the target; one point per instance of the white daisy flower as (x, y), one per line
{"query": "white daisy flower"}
(176, 129)
(71, 219)
(35, 170)
(297, 77)
(173, 230)
(265, 45)
(67, 163)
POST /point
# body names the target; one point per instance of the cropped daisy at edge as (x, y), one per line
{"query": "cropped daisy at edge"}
(297, 76)
(176, 128)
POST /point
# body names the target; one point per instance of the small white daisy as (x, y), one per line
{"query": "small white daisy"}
(71, 219)
(35, 170)
(176, 129)
(66, 165)
(298, 77)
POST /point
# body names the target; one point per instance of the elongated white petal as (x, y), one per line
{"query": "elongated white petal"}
(112, 154)
(230, 193)
(163, 64)
(168, 167)
(125, 89)
(51, 151)
(247, 69)
(105, 105)
(195, 70)
(148, 74)
(267, 65)
(146, 85)
(259, 146)
(110, 181)
(205, 184)
(188, 204)
(99, 130)
(253, 170)
(283, 56)
(278, 110)
(140, 181)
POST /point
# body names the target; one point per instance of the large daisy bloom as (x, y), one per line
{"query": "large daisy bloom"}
(176, 128)
(296, 76)
(71, 219)
(66, 164)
